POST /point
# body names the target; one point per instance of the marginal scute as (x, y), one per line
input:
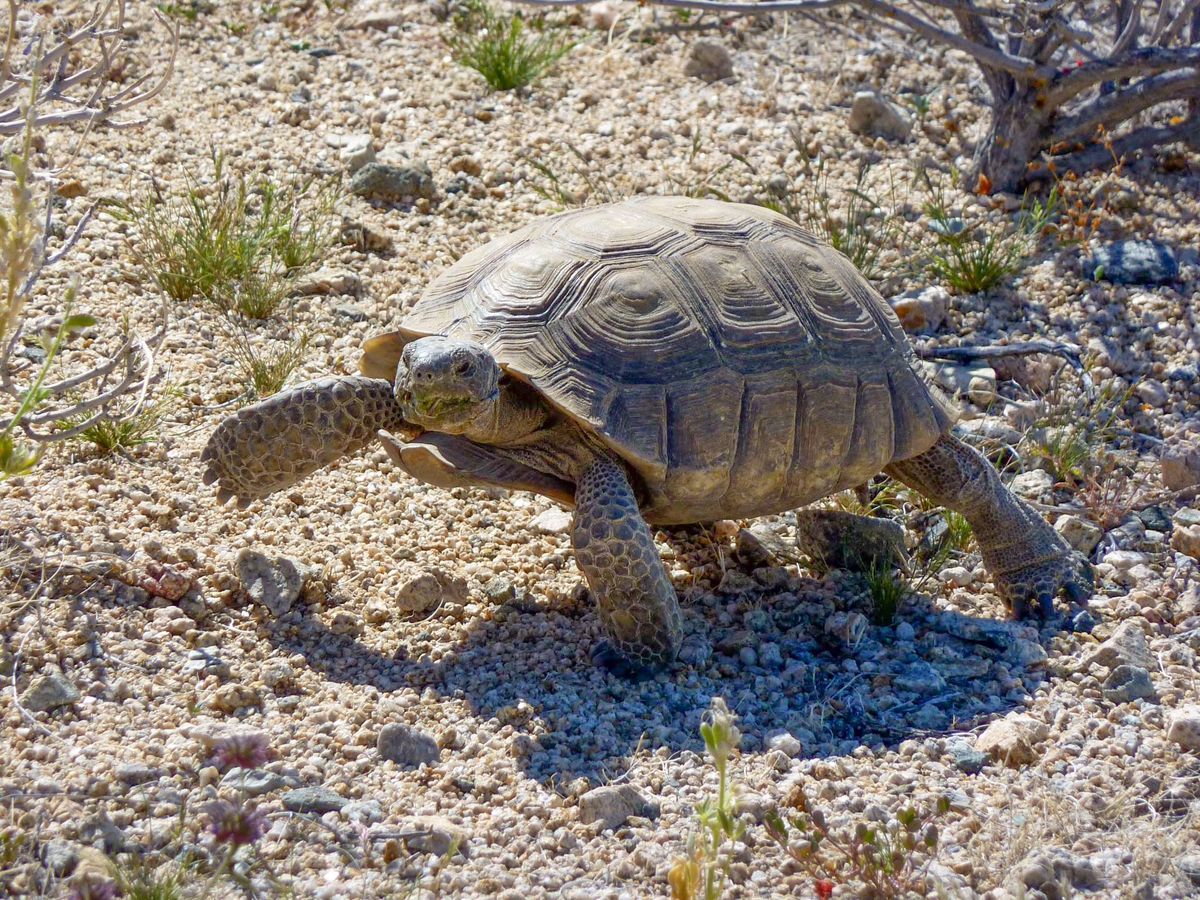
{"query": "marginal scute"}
(737, 364)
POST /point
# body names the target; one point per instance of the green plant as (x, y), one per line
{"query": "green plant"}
(880, 860)
(137, 879)
(139, 425)
(501, 49)
(887, 590)
(972, 260)
(705, 868)
(1074, 428)
(559, 193)
(267, 371)
(234, 243)
(855, 221)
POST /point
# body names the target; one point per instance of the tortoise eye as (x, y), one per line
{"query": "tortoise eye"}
(463, 367)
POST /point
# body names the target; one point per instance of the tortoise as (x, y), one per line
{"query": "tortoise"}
(661, 360)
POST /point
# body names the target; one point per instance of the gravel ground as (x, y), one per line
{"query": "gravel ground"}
(422, 655)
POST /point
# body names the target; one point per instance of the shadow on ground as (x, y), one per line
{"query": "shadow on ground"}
(776, 658)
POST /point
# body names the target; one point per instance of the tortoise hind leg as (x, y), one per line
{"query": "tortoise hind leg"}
(615, 551)
(1029, 561)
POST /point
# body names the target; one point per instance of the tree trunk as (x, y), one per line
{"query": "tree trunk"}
(1016, 134)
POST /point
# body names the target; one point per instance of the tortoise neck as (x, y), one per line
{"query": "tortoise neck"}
(517, 414)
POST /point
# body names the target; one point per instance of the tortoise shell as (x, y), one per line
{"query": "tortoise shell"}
(737, 364)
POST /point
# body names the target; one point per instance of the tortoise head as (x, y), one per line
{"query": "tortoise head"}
(447, 385)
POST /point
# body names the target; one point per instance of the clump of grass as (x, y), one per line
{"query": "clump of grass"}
(555, 188)
(236, 243)
(266, 371)
(703, 872)
(1073, 430)
(136, 879)
(873, 859)
(501, 48)
(887, 590)
(141, 425)
(970, 260)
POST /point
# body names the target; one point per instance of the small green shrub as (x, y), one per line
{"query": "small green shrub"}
(235, 243)
(141, 425)
(873, 859)
(887, 590)
(501, 49)
(703, 872)
(267, 371)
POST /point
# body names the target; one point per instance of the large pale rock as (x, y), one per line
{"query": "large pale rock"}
(708, 61)
(1082, 534)
(271, 582)
(842, 540)
(1184, 728)
(429, 590)
(1013, 741)
(406, 746)
(1125, 647)
(922, 310)
(872, 115)
(613, 804)
(48, 692)
(1181, 465)
(434, 834)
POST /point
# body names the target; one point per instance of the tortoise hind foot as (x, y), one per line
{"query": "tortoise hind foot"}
(275, 443)
(615, 551)
(1030, 591)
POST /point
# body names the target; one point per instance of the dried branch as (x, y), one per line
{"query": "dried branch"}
(1109, 110)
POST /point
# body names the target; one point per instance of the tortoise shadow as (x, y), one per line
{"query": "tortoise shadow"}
(953, 671)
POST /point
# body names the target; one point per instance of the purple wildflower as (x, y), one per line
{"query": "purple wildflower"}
(249, 751)
(231, 823)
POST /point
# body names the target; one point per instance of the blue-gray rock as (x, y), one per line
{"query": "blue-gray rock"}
(966, 758)
(49, 692)
(253, 782)
(406, 746)
(1128, 683)
(313, 800)
(136, 773)
(366, 811)
(1083, 622)
(1133, 262)
(60, 857)
(380, 181)
(920, 678)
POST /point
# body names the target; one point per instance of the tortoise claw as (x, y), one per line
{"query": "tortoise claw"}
(1031, 591)
(224, 496)
(1045, 604)
(1077, 593)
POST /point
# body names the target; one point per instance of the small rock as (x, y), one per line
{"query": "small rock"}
(500, 590)
(429, 590)
(1125, 647)
(785, 743)
(1185, 535)
(957, 576)
(1055, 873)
(976, 382)
(696, 651)
(49, 692)
(202, 662)
(364, 238)
(1083, 622)
(327, 281)
(842, 540)
(920, 678)
(69, 190)
(313, 800)
(1184, 728)
(872, 115)
(271, 582)
(1189, 868)
(1082, 534)
(379, 21)
(1032, 484)
(406, 746)
(966, 758)
(253, 782)
(60, 857)
(905, 632)
(1128, 683)
(229, 698)
(136, 773)
(165, 581)
(365, 811)
(356, 151)
(708, 61)
(847, 628)
(1133, 262)
(554, 520)
(759, 546)
(988, 429)
(278, 673)
(1012, 741)
(603, 15)
(612, 805)
(1152, 392)
(467, 165)
(1181, 465)
(392, 184)
(434, 834)
(770, 656)
(922, 310)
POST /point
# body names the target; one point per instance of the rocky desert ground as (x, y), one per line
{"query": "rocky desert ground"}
(385, 688)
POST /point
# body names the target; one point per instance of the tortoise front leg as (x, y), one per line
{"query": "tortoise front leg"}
(616, 553)
(1029, 561)
(274, 443)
